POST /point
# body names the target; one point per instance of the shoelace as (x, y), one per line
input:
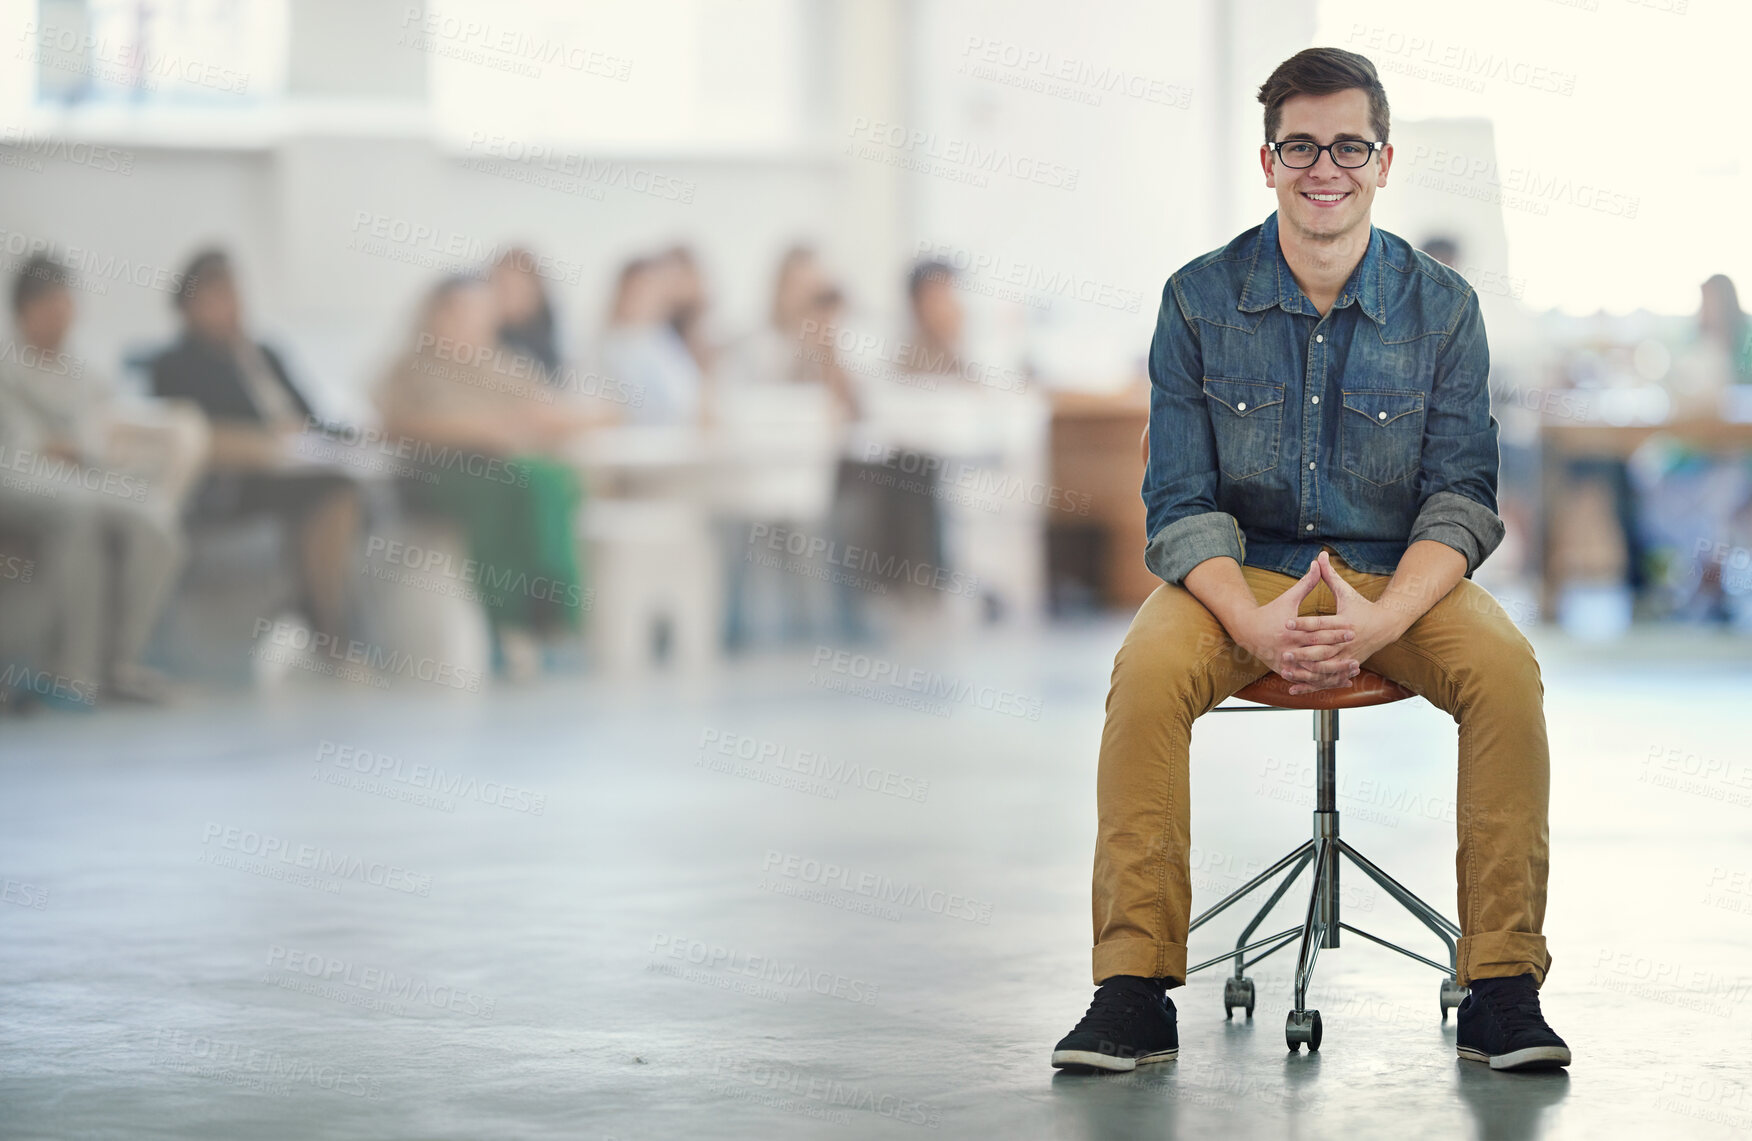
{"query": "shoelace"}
(1520, 1012)
(1111, 1012)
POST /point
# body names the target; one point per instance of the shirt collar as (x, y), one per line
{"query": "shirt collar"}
(1269, 281)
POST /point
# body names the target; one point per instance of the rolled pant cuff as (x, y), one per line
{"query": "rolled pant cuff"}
(1145, 957)
(1503, 954)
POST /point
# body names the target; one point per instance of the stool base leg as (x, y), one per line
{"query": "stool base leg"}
(1314, 926)
(1444, 930)
(1301, 852)
(1302, 1028)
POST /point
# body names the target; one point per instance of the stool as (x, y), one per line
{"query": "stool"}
(1322, 925)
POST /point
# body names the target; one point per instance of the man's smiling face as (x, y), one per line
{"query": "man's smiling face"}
(1325, 201)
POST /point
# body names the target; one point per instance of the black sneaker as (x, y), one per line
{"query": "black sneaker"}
(1130, 1023)
(1500, 1023)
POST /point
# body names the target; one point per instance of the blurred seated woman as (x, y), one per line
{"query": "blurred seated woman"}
(643, 352)
(689, 304)
(796, 345)
(489, 435)
(784, 380)
(526, 316)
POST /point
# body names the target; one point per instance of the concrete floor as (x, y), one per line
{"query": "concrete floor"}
(600, 936)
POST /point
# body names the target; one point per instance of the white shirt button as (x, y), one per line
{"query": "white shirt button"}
(1242, 407)
(1381, 415)
(1310, 465)
(1316, 400)
(1309, 527)
(1319, 338)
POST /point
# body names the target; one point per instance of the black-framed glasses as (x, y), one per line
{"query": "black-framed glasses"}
(1299, 154)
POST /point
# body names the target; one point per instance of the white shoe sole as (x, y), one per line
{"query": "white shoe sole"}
(1532, 1058)
(1091, 1060)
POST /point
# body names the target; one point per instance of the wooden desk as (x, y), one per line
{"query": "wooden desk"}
(1574, 438)
(1561, 441)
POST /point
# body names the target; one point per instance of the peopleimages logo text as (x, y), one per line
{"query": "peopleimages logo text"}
(396, 663)
(395, 986)
(873, 674)
(885, 889)
(383, 766)
(312, 858)
(436, 457)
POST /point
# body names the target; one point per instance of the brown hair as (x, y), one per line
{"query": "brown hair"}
(1322, 71)
(208, 267)
(43, 275)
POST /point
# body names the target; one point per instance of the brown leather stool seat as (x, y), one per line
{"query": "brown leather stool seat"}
(1367, 688)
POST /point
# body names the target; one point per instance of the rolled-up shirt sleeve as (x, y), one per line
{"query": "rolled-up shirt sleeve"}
(1180, 485)
(1458, 483)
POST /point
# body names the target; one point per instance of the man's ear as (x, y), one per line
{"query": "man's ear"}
(1266, 164)
(1386, 161)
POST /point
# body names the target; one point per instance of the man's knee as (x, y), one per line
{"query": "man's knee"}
(1170, 644)
(1497, 658)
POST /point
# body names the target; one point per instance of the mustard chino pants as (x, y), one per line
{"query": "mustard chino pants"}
(1464, 656)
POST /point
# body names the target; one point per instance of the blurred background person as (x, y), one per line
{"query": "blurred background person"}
(938, 319)
(796, 344)
(1692, 504)
(773, 350)
(782, 391)
(112, 480)
(493, 440)
(797, 285)
(988, 440)
(1724, 327)
(257, 414)
(1444, 249)
(642, 350)
(820, 363)
(163, 442)
(526, 315)
(689, 305)
(889, 494)
(1713, 357)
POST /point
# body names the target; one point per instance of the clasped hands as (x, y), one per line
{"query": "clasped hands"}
(1318, 652)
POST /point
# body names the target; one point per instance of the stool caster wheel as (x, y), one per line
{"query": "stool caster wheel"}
(1237, 993)
(1303, 1026)
(1452, 994)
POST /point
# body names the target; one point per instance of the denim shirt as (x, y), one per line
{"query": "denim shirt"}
(1275, 431)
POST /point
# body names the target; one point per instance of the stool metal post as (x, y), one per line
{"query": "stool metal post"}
(1326, 815)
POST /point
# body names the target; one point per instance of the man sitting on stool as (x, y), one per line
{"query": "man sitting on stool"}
(1319, 408)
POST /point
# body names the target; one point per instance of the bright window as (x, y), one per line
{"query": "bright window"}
(1616, 161)
(656, 75)
(157, 52)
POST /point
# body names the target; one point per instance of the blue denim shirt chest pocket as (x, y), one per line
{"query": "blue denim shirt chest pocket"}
(1380, 434)
(1247, 420)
